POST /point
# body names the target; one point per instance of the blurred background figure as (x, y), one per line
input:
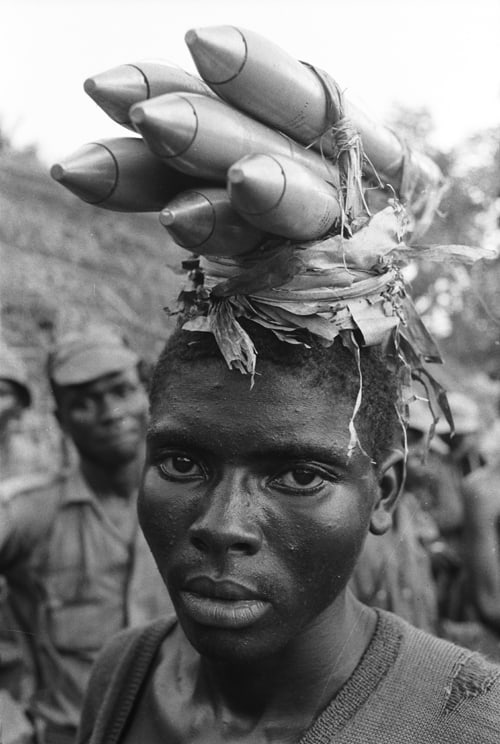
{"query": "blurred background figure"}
(20, 465)
(465, 443)
(490, 438)
(394, 571)
(420, 569)
(18, 454)
(76, 562)
(435, 473)
(482, 512)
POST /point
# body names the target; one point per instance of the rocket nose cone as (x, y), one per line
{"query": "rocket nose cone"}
(167, 217)
(57, 172)
(236, 174)
(90, 86)
(90, 173)
(219, 52)
(189, 219)
(168, 123)
(116, 90)
(256, 184)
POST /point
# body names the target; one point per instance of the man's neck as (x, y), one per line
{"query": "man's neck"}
(113, 480)
(295, 685)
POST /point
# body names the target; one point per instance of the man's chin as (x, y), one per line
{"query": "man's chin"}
(243, 646)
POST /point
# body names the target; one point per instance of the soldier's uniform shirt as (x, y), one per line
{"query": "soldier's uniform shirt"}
(75, 579)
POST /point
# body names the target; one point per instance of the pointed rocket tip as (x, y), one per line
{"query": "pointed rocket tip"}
(90, 86)
(167, 217)
(235, 174)
(57, 172)
(137, 114)
(191, 36)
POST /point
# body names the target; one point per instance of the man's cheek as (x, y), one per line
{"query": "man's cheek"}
(140, 409)
(162, 523)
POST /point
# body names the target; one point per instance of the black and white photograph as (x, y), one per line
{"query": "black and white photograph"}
(250, 372)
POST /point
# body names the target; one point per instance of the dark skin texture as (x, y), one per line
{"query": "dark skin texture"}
(255, 487)
(106, 418)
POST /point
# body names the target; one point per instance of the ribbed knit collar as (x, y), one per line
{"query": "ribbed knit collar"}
(374, 665)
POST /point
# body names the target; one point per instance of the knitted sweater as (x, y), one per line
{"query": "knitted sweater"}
(408, 688)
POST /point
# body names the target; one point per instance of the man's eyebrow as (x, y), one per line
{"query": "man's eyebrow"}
(159, 435)
(304, 450)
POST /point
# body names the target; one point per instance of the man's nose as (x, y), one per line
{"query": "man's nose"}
(227, 523)
(110, 408)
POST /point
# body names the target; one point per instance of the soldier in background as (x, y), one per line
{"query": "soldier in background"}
(18, 454)
(394, 571)
(465, 443)
(459, 495)
(482, 511)
(417, 570)
(77, 564)
(20, 467)
(435, 477)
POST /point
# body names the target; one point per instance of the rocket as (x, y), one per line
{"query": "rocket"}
(257, 76)
(203, 220)
(120, 174)
(204, 136)
(283, 197)
(117, 89)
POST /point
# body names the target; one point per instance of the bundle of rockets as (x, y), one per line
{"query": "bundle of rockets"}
(237, 157)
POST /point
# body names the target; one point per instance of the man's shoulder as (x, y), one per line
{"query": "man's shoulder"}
(452, 687)
(118, 673)
(420, 647)
(28, 506)
(29, 485)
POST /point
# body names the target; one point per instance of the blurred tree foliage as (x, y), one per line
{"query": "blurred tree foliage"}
(462, 306)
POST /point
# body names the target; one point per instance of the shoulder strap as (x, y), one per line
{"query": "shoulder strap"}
(122, 689)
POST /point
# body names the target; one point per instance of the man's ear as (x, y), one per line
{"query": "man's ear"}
(391, 481)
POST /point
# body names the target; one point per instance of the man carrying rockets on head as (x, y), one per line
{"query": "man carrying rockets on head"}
(277, 415)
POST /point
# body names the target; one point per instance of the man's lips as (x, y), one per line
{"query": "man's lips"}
(219, 589)
(222, 603)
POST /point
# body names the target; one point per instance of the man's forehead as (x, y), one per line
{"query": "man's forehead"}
(215, 374)
(210, 381)
(211, 401)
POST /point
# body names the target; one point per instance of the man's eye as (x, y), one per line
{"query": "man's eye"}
(121, 391)
(299, 479)
(180, 467)
(82, 404)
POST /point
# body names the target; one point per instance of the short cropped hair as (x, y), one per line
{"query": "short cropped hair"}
(334, 367)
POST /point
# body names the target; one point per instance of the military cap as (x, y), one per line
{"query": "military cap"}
(82, 357)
